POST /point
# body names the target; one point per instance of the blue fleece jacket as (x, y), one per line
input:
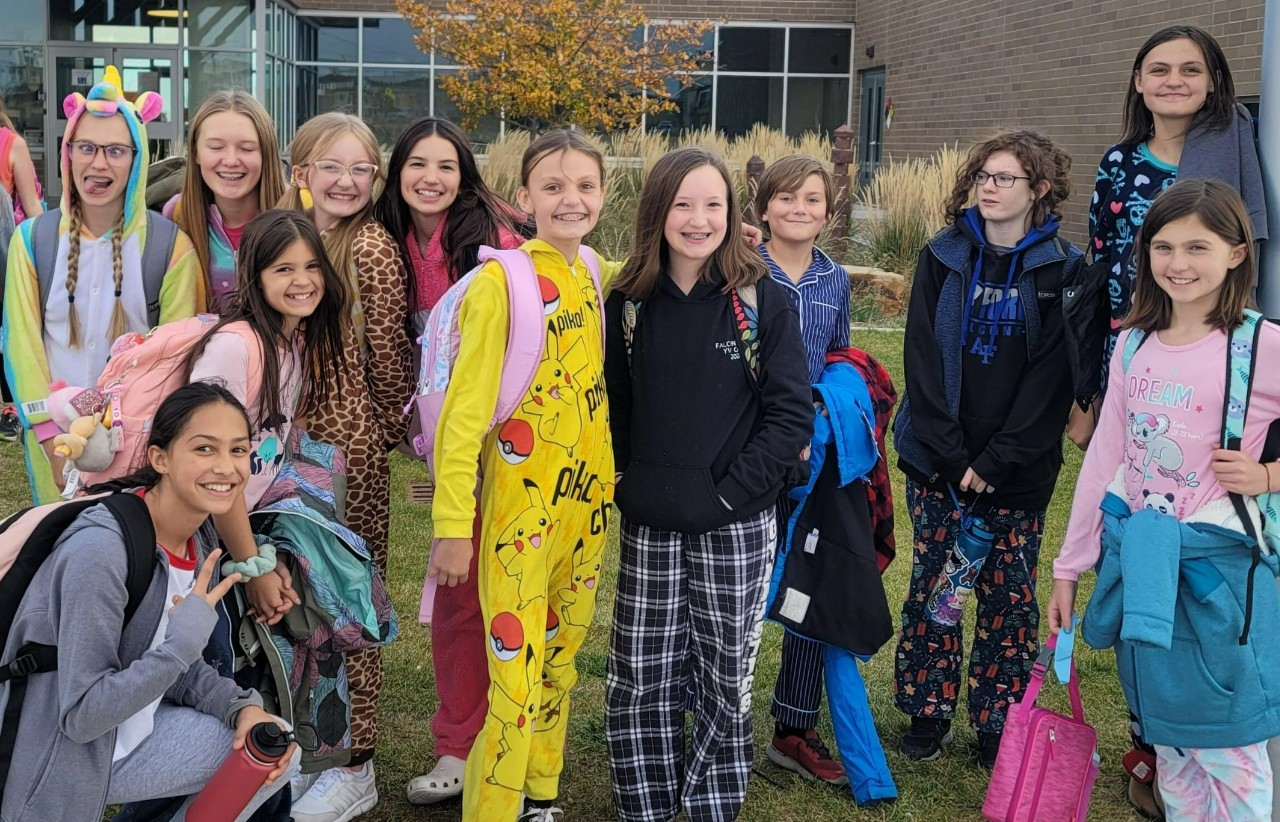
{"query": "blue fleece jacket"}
(1170, 599)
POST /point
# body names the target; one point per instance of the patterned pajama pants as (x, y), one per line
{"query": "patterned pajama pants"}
(688, 609)
(929, 657)
(1215, 784)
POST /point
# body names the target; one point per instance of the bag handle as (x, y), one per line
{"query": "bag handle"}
(1043, 660)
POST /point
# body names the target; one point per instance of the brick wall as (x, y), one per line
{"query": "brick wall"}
(957, 70)
(814, 11)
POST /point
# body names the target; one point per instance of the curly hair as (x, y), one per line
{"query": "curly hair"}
(1041, 159)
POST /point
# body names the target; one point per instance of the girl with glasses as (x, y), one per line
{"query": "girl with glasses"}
(70, 292)
(980, 428)
(336, 166)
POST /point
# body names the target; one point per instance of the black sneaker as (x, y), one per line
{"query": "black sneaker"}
(925, 739)
(10, 428)
(988, 749)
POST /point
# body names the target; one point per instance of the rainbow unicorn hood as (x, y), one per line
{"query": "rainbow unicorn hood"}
(106, 99)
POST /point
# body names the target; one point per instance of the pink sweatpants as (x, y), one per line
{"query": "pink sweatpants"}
(462, 672)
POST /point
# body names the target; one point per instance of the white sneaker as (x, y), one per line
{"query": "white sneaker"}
(340, 794)
(300, 784)
(442, 782)
(532, 814)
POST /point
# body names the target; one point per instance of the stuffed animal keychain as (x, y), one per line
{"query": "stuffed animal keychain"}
(82, 414)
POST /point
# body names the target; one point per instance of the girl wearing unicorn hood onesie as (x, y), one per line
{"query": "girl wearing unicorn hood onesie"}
(59, 323)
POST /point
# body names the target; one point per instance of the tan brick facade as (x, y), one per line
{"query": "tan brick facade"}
(956, 70)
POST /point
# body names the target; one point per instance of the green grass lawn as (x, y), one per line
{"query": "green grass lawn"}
(951, 788)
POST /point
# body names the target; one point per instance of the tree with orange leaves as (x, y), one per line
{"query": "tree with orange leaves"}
(556, 62)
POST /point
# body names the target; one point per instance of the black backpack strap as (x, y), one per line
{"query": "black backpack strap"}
(33, 658)
(36, 658)
(139, 543)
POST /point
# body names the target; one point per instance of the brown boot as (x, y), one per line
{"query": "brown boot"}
(1145, 798)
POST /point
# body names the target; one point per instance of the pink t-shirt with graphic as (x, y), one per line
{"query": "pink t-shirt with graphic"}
(1162, 421)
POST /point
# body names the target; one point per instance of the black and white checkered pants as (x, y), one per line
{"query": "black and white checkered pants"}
(688, 609)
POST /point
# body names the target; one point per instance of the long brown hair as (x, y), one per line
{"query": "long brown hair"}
(476, 218)
(312, 139)
(1219, 207)
(1219, 108)
(266, 238)
(739, 264)
(192, 214)
(1039, 157)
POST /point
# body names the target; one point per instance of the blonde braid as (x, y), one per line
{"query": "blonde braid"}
(73, 273)
(119, 323)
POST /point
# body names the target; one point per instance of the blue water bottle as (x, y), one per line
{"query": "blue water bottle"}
(955, 584)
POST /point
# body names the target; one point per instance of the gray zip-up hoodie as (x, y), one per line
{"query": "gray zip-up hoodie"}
(106, 674)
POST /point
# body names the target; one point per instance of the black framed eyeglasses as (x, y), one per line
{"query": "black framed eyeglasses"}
(1001, 180)
(116, 153)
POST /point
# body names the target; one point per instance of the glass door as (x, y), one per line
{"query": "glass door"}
(78, 68)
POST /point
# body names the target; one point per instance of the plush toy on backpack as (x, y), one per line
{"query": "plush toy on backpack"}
(79, 413)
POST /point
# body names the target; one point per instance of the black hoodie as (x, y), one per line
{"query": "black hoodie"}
(699, 445)
(987, 324)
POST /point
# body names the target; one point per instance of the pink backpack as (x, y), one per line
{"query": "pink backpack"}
(143, 370)
(1047, 762)
(526, 337)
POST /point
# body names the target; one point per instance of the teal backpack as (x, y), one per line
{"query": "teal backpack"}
(1242, 352)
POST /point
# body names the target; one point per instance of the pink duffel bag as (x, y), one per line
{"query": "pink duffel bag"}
(1047, 762)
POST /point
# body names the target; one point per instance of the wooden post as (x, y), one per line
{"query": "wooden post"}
(755, 167)
(842, 158)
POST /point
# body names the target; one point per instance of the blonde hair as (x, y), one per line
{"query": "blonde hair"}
(312, 139)
(192, 214)
(119, 321)
(4, 115)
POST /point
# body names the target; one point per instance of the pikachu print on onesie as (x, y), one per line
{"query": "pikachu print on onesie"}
(547, 488)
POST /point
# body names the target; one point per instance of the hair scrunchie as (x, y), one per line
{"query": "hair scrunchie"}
(263, 563)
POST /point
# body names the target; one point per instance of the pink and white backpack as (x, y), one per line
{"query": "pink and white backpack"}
(526, 338)
(143, 370)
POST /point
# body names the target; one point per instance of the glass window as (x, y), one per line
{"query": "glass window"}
(212, 71)
(390, 40)
(751, 49)
(21, 84)
(332, 39)
(337, 89)
(820, 51)
(483, 133)
(127, 21)
(24, 21)
(818, 104)
(227, 23)
(269, 98)
(693, 108)
(741, 102)
(394, 98)
(706, 47)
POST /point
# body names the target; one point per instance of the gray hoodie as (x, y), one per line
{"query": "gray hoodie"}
(66, 736)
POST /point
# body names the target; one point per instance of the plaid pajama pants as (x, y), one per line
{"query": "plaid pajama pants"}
(688, 609)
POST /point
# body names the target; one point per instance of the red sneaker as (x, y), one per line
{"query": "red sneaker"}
(808, 756)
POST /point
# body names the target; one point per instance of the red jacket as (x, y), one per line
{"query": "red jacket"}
(879, 490)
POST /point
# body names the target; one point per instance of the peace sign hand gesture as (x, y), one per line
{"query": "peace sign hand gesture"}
(201, 586)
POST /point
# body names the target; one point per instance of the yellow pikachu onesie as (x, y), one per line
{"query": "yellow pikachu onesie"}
(544, 513)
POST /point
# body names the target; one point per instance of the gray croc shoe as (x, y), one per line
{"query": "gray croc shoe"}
(441, 783)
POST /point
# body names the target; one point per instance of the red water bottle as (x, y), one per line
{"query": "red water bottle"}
(241, 774)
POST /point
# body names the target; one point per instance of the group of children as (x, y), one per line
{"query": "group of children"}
(679, 386)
